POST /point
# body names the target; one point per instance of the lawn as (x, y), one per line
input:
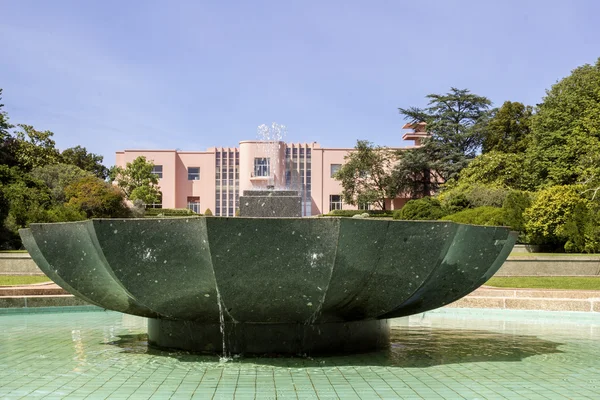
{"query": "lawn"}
(7, 280)
(547, 282)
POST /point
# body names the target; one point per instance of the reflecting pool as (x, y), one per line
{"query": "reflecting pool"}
(445, 354)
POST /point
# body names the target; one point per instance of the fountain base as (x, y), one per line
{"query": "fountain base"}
(290, 339)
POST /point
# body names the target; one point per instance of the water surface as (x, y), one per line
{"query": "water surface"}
(451, 354)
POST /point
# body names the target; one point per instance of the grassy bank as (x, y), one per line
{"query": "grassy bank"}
(9, 280)
(547, 282)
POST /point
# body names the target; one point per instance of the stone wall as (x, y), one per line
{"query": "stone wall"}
(18, 264)
(518, 264)
(523, 264)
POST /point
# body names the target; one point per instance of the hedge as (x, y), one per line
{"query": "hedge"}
(168, 212)
(485, 215)
(351, 213)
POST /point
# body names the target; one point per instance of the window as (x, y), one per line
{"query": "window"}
(364, 206)
(157, 170)
(335, 202)
(193, 173)
(193, 203)
(262, 167)
(335, 168)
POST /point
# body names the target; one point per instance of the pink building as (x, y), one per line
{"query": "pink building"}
(214, 179)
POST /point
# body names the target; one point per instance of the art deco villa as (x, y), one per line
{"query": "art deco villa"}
(213, 179)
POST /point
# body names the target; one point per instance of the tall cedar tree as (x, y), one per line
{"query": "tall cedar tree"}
(455, 123)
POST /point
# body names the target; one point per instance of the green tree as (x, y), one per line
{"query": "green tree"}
(508, 130)
(514, 205)
(91, 162)
(137, 180)
(566, 130)
(582, 229)
(7, 148)
(35, 148)
(28, 200)
(57, 177)
(497, 169)
(455, 123)
(5, 126)
(366, 176)
(411, 175)
(96, 198)
(548, 214)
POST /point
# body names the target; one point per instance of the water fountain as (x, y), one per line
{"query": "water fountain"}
(271, 201)
(268, 285)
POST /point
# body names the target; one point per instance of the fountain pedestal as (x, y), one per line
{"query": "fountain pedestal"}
(270, 203)
(264, 338)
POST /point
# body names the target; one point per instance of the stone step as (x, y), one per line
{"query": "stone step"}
(487, 291)
(65, 300)
(529, 303)
(42, 289)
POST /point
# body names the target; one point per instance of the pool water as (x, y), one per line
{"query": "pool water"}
(447, 354)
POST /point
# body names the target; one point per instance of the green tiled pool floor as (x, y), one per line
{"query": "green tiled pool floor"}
(445, 355)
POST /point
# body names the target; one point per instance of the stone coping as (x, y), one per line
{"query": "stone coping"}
(23, 255)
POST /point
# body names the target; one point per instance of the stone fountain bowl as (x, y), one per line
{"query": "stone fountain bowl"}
(280, 285)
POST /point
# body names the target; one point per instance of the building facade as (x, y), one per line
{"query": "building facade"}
(215, 178)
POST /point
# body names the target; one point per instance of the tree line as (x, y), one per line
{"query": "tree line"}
(39, 183)
(534, 168)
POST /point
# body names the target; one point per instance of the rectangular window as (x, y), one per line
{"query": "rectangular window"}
(335, 202)
(157, 170)
(193, 203)
(335, 168)
(262, 167)
(193, 173)
(364, 206)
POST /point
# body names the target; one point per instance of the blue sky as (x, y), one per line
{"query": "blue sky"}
(113, 75)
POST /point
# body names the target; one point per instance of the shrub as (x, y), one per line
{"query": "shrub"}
(427, 208)
(208, 213)
(546, 218)
(485, 215)
(481, 196)
(466, 196)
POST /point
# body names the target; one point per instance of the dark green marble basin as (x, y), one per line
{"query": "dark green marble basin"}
(275, 271)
